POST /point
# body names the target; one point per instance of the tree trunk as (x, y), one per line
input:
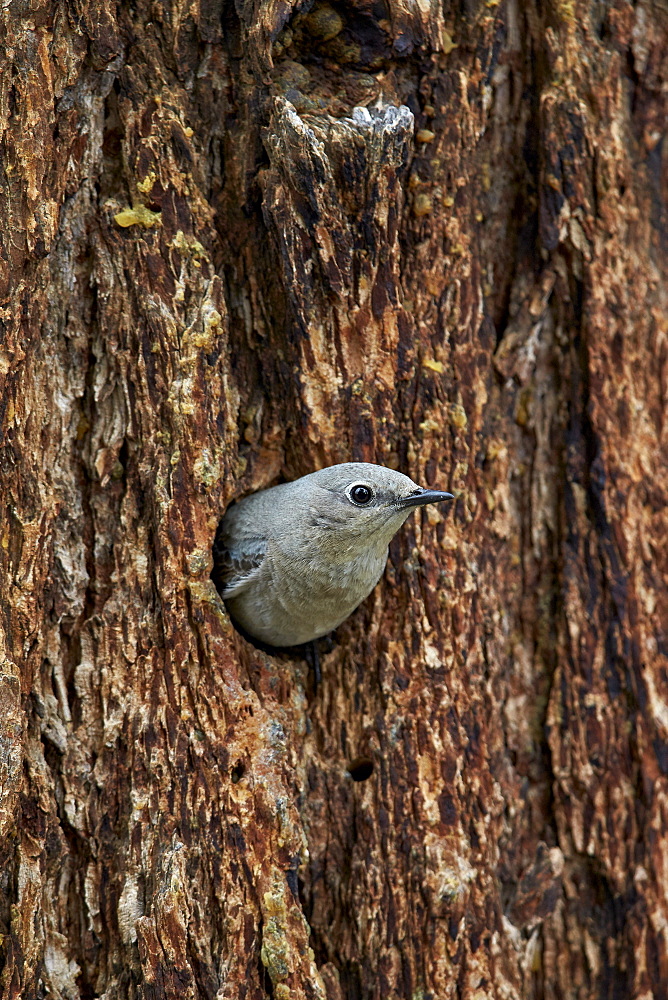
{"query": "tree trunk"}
(242, 243)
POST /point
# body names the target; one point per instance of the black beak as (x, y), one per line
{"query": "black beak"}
(424, 497)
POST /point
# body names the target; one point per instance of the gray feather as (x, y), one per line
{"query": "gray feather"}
(237, 563)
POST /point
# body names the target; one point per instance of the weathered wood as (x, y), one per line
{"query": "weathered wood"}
(242, 242)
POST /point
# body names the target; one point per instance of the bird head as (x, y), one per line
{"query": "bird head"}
(356, 504)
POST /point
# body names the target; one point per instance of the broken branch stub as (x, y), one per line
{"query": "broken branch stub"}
(332, 197)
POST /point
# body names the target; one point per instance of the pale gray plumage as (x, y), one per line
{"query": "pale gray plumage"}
(292, 562)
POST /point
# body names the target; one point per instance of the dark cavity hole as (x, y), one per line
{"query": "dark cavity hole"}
(237, 772)
(361, 768)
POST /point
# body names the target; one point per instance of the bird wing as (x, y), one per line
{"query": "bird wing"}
(236, 565)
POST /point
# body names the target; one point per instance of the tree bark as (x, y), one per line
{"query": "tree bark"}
(240, 243)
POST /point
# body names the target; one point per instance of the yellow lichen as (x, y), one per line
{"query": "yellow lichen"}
(206, 469)
(275, 949)
(494, 448)
(139, 215)
(523, 410)
(422, 205)
(447, 43)
(435, 366)
(457, 416)
(188, 245)
(565, 10)
(198, 561)
(145, 186)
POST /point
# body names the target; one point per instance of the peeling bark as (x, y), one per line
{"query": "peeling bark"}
(243, 242)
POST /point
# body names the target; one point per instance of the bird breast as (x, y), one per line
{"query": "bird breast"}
(325, 593)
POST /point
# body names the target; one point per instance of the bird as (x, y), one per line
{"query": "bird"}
(294, 561)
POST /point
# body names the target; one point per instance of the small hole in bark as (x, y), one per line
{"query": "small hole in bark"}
(361, 768)
(237, 772)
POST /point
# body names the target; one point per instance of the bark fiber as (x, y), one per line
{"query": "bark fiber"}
(243, 241)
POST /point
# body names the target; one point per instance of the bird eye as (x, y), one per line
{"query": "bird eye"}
(360, 494)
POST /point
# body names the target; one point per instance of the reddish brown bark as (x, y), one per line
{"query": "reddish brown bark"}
(217, 274)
